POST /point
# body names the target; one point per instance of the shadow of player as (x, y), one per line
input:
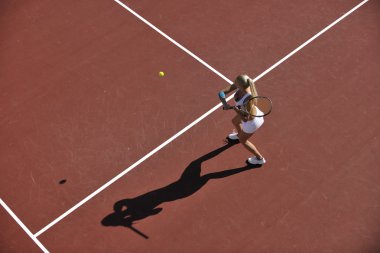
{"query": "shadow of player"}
(127, 211)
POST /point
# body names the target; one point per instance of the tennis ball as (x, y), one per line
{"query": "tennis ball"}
(161, 73)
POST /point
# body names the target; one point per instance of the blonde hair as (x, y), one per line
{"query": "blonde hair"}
(246, 82)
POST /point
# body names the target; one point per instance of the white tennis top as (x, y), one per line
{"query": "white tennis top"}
(241, 101)
(254, 124)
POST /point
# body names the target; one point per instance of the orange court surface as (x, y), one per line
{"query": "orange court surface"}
(101, 153)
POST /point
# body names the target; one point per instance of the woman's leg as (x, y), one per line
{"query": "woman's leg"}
(236, 121)
(243, 138)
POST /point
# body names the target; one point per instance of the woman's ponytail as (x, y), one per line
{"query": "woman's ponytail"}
(246, 82)
(252, 87)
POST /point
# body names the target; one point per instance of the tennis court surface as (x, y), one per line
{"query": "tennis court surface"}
(88, 126)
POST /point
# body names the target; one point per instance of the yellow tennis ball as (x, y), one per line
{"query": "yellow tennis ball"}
(161, 73)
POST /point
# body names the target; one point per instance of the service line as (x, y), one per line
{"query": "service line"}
(19, 222)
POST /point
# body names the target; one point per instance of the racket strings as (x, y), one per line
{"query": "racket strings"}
(263, 106)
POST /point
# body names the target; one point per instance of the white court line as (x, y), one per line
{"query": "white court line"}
(19, 222)
(173, 41)
(194, 122)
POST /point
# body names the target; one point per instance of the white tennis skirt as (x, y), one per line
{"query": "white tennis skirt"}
(251, 126)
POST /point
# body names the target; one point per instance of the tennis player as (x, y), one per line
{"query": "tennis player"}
(246, 125)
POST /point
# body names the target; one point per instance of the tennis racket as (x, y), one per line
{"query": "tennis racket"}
(263, 106)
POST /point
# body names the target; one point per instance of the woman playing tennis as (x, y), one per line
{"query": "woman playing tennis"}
(245, 123)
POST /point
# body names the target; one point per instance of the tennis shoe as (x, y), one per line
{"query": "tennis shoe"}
(254, 160)
(233, 136)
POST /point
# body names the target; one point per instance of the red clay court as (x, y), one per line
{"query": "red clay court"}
(101, 154)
